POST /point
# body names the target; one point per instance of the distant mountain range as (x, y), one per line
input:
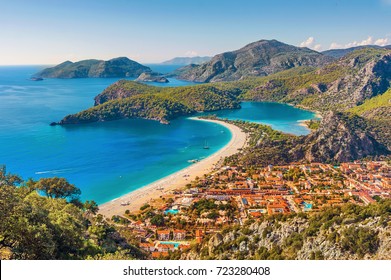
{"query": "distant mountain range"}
(120, 67)
(338, 53)
(260, 58)
(187, 60)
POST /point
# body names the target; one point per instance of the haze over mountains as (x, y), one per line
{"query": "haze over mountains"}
(187, 60)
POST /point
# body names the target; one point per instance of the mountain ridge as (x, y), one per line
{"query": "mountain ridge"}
(260, 58)
(338, 53)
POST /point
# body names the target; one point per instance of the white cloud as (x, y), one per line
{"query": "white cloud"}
(381, 42)
(368, 41)
(307, 43)
(318, 47)
(311, 43)
(191, 53)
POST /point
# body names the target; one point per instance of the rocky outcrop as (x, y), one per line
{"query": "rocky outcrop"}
(215, 241)
(120, 67)
(367, 77)
(340, 138)
(151, 77)
(335, 238)
(260, 58)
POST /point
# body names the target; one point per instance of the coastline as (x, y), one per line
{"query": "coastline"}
(303, 123)
(154, 190)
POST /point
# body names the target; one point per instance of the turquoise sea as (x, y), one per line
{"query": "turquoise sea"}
(106, 160)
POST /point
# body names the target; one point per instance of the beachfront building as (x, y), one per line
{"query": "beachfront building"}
(157, 255)
(161, 247)
(179, 234)
(296, 187)
(149, 247)
(199, 235)
(163, 235)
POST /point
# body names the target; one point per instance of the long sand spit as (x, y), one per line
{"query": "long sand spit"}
(177, 180)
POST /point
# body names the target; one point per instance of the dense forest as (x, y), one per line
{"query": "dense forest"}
(45, 219)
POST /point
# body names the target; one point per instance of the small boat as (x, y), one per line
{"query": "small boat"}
(193, 160)
(125, 203)
(206, 147)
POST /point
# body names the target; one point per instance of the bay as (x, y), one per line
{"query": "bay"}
(104, 160)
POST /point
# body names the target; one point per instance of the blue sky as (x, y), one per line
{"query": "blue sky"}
(49, 32)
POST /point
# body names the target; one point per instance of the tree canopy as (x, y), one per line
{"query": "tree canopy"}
(53, 227)
(57, 188)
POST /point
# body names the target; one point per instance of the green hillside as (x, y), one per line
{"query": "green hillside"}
(128, 99)
(380, 102)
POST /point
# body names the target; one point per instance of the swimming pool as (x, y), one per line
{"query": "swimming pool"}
(171, 211)
(307, 206)
(176, 244)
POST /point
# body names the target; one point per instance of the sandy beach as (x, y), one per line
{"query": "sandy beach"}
(139, 197)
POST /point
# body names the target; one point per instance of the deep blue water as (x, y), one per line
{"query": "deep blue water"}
(105, 160)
